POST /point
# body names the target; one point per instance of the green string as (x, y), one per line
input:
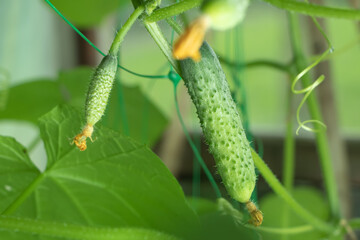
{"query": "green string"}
(4, 87)
(175, 78)
(196, 187)
(95, 47)
(193, 147)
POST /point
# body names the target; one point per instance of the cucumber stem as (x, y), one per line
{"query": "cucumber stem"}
(289, 145)
(274, 183)
(289, 157)
(315, 10)
(195, 150)
(172, 10)
(162, 43)
(114, 49)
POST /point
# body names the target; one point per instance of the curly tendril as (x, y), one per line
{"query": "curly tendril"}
(308, 90)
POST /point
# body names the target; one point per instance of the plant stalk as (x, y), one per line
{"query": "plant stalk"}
(285, 195)
(288, 156)
(172, 10)
(257, 63)
(314, 109)
(315, 10)
(115, 47)
(327, 101)
(289, 145)
(163, 44)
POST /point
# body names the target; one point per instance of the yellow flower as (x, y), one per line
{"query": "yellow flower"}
(189, 43)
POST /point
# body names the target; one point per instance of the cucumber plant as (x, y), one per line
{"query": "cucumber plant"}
(121, 169)
(97, 97)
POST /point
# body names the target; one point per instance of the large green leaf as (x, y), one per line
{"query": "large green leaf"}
(16, 171)
(278, 214)
(30, 100)
(87, 13)
(115, 182)
(77, 232)
(129, 112)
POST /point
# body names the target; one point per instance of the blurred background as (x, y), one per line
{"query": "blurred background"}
(37, 45)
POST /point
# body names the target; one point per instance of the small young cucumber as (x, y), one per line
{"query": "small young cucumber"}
(221, 123)
(97, 97)
(224, 14)
(99, 89)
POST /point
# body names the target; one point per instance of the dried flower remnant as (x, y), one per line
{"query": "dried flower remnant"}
(80, 139)
(256, 214)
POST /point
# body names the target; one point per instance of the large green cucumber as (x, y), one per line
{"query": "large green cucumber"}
(221, 123)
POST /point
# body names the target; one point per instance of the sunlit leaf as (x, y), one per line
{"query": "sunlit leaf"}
(31, 100)
(115, 182)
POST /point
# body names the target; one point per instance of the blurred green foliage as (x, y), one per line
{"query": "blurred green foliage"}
(88, 13)
(32, 99)
(278, 214)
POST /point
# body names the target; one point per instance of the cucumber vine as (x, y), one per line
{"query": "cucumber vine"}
(203, 75)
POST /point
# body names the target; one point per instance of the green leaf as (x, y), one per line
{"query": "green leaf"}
(16, 171)
(87, 13)
(70, 231)
(274, 209)
(74, 85)
(221, 220)
(116, 182)
(202, 205)
(31, 100)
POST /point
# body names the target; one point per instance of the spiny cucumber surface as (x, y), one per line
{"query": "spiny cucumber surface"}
(221, 123)
(99, 89)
